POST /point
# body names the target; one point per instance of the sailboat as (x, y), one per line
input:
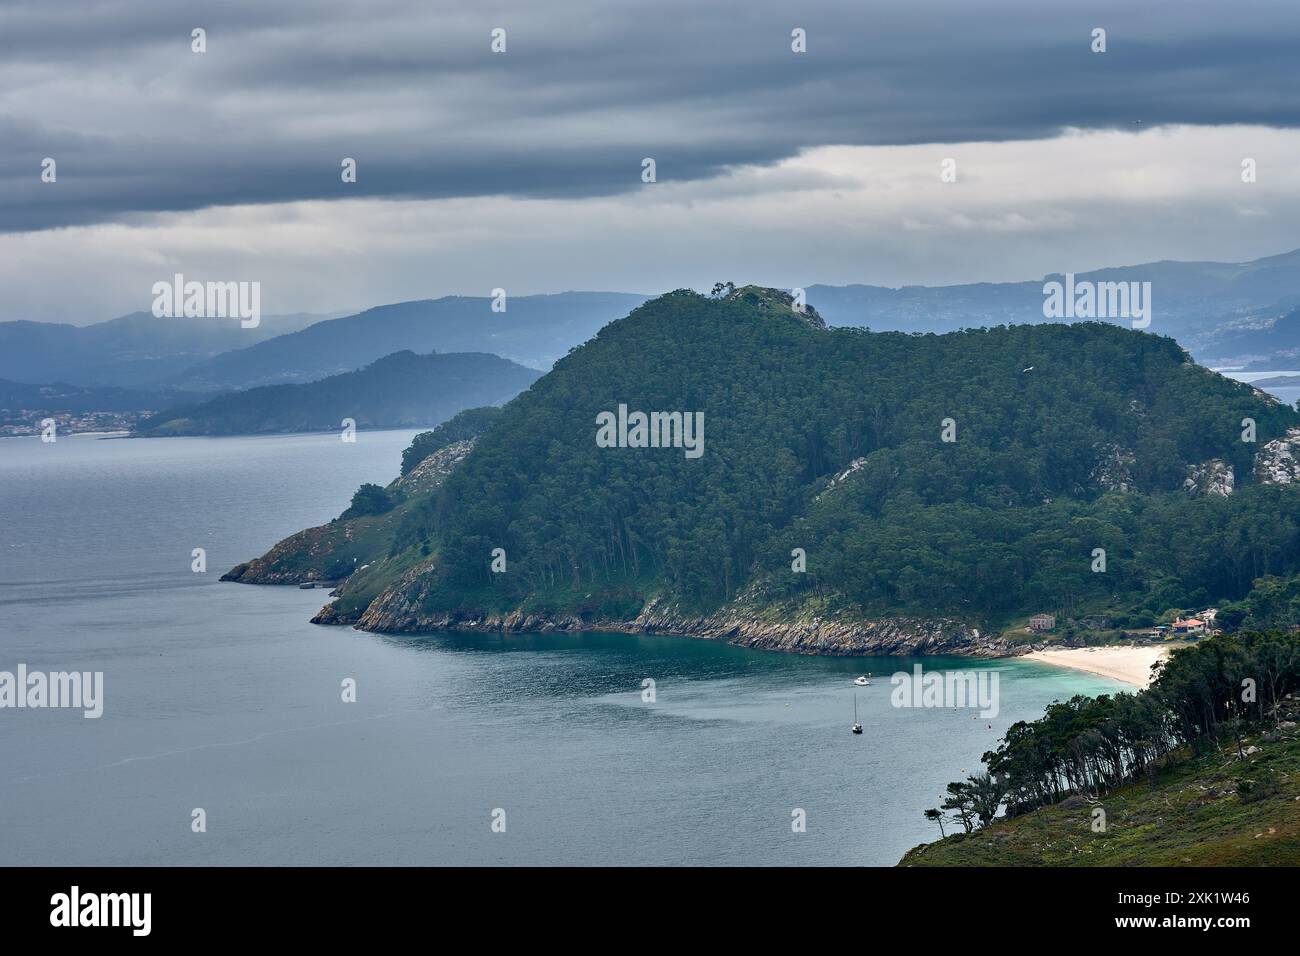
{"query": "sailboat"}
(857, 727)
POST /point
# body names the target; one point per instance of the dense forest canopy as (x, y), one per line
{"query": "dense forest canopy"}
(1068, 438)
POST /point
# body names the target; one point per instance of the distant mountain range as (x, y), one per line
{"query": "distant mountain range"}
(132, 351)
(1224, 313)
(1278, 381)
(533, 330)
(61, 397)
(1256, 347)
(403, 390)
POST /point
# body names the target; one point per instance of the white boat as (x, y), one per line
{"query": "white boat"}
(862, 682)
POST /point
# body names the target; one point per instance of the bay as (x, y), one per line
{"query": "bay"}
(223, 697)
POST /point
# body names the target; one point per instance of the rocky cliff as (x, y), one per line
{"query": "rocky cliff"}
(1214, 477)
(1276, 462)
(399, 610)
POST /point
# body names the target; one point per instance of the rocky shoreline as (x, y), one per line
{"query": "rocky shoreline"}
(397, 612)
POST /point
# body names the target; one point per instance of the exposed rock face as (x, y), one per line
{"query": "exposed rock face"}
(1214, 477)
(311, 555)
(1275, 463)
(330, 614)
(395, 610)
(398, 610)
(777, 300)
(430, 473)
(1113, 470)
(839, 479)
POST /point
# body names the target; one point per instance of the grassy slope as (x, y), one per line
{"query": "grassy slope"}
(332, 551)
(1190, 815)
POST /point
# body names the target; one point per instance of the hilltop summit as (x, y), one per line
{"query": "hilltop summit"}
(777, 301)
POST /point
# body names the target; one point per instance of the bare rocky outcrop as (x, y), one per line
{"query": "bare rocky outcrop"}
(398, 610)
(1213, 477)
(312, 555)
(429, 474)
(1114, 468)
(772, 300)
(1276, 462)
(843, 476)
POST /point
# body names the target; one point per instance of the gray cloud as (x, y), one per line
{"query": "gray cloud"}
(139, 124)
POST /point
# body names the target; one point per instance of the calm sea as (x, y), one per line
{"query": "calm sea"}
(223, 697)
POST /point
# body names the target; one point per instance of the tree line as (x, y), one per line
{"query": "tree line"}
(1205, 696)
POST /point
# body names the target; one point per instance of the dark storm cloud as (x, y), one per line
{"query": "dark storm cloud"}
(138, 123)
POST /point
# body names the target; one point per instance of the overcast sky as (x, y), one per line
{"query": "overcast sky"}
(523, 169)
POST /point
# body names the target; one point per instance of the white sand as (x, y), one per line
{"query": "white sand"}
(1132, 665)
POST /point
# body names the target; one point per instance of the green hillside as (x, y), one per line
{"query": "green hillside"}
(1194, 814)
(1067, 439)
(334, 551)
(401, 390)
(1202, 768)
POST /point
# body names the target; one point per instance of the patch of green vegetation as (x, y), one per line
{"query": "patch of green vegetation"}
(829, 441)
(999, 522)
(1191, 813)
(1202, 767)
(170, 427)
(1272, 602)
(330, 552)
(369, 499)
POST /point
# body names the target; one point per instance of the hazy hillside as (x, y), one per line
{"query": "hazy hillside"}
(130, 351)
(1201, 304)
(402, 390)
(1262, 347)
(533, 331)
(1067, 438)
(61, 397)
(1223, 313)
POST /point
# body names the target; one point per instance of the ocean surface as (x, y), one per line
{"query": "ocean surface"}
(223, 697)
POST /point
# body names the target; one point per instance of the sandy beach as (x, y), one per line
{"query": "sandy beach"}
(1132, 665)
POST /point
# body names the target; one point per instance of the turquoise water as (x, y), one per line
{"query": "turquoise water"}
(224, 697)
